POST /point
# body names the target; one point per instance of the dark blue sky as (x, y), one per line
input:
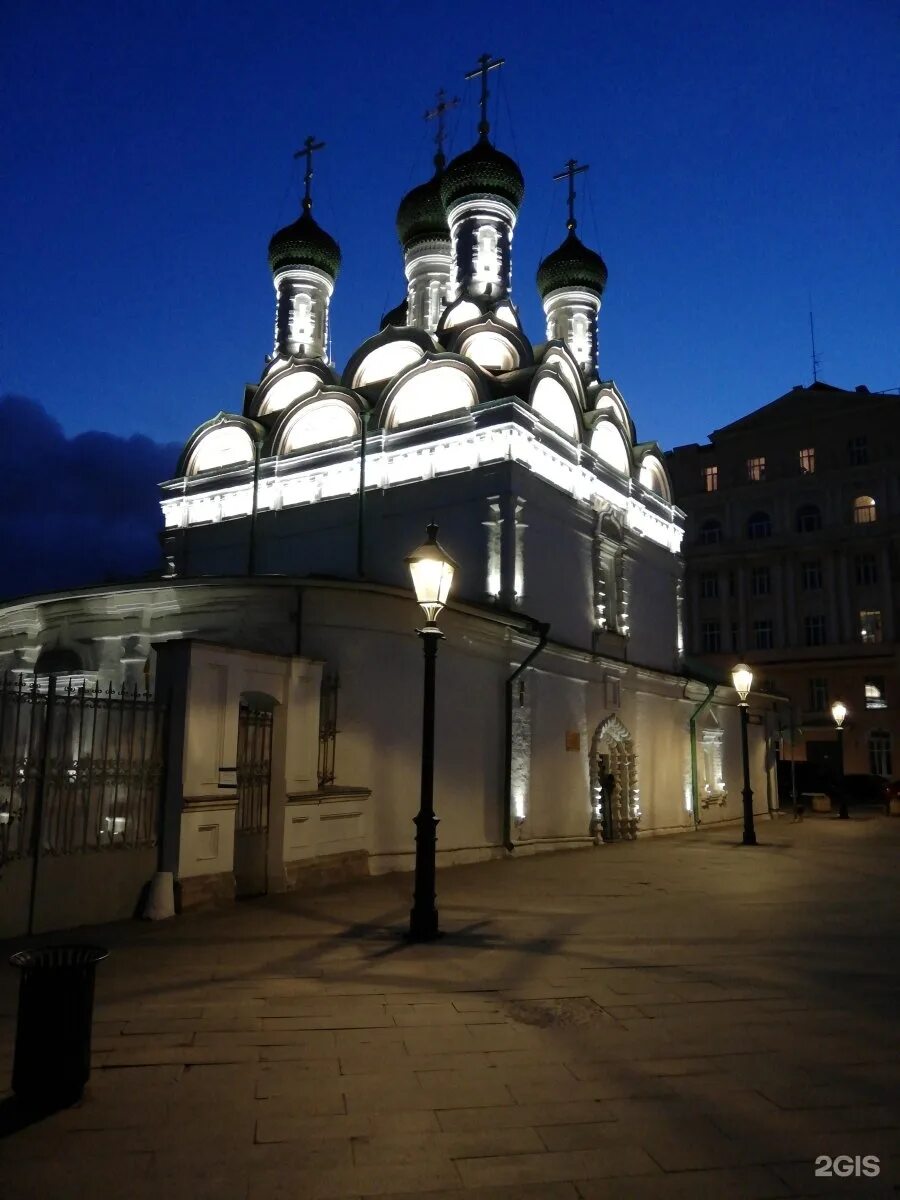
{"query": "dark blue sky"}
(742, 157)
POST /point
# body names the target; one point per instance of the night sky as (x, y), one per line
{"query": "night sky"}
(743, 159)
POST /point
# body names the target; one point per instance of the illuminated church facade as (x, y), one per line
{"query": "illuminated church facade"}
(285, 533)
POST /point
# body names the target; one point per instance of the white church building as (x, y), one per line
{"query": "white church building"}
(281, 633)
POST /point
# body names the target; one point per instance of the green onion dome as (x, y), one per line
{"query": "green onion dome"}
(572, 265)
(482, 171)
(305, 244)
(421, 217)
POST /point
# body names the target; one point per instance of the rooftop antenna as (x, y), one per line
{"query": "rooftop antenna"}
(569, 172)
(309, 148)
(812, 337)
(438, 113)
(485, 64)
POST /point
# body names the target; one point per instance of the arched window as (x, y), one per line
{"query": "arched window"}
(759, 525)
(809, 518)
(865, 511)
(710, 532)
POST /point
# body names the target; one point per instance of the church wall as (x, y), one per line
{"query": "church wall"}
(559, 792)
(380, 663)
(652, 613)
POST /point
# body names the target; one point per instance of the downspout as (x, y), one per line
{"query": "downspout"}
(543, 631)
(361, 513)
(695, 782)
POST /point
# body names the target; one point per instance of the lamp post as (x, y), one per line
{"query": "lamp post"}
(742, 678)
(432, 572)
(839, 712)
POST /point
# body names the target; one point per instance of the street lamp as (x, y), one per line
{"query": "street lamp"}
(839, 712)
(432, 571)
(742, 678)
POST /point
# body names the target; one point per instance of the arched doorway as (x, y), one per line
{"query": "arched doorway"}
(614, 808)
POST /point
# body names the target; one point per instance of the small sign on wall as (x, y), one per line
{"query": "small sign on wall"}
(573, 739)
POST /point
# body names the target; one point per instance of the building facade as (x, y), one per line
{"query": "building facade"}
(792, 548)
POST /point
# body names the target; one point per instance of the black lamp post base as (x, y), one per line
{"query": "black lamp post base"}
(749, 838)
(423, 926)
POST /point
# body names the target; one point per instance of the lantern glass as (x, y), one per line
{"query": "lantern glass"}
(742, 678)
(839, 712)
(432, 570)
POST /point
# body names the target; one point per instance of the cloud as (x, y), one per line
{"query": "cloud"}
(75, 511)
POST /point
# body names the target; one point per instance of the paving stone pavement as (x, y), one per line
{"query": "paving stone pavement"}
(670, 1019)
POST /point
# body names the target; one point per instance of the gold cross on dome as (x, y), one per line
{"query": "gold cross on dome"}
(307, 151)
(485, 64)
(438, 113)
(571, 169)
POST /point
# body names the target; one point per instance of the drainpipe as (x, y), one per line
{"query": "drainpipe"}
(543, 631)
(695, 783)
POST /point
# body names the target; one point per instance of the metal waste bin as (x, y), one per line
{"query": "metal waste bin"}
(52, 1060)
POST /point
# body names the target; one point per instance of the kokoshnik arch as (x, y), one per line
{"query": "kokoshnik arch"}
(285, 533)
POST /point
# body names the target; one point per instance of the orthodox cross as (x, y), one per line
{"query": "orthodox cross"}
(437, 113)
(571, 170)
(485, 64)
(309, 148)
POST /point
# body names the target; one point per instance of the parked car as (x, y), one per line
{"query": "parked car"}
(864, 790)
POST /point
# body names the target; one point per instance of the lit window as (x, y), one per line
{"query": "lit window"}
(875, 692)
(811, 576)
(880, 753)
(709, 585)
(712, 637)
(756, 469)
(759, 525)
(710, 532)
(760, 581)
(870, 625)
(809, 519)
(807, 461)
(818, 695)
(711, 479)
(866, 569)
(864, 510)
(858, 451)
(814, 630)
(763, 635)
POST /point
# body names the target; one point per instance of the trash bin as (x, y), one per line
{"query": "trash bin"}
(52, 1059)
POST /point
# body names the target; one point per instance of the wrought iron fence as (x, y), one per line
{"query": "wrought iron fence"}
(254, 769)
(328, 730)
(81, 767)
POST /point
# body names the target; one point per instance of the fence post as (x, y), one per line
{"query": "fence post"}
(172, 672)
(40, 793)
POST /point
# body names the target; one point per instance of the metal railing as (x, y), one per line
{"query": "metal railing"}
(254, 769)
(81, 767)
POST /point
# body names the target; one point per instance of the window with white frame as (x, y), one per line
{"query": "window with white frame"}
(756, 469)
(858, 451)
(814, 630)
(807, 461)
(874, 692)
(870, 625)
(760, 581)
(880, 753)
(866, 569)
(865, 511)
(811, 576)
(763, 634)
(711, 745)
(818, 695)
(711, 479)
(711, 637)
(709, 585)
